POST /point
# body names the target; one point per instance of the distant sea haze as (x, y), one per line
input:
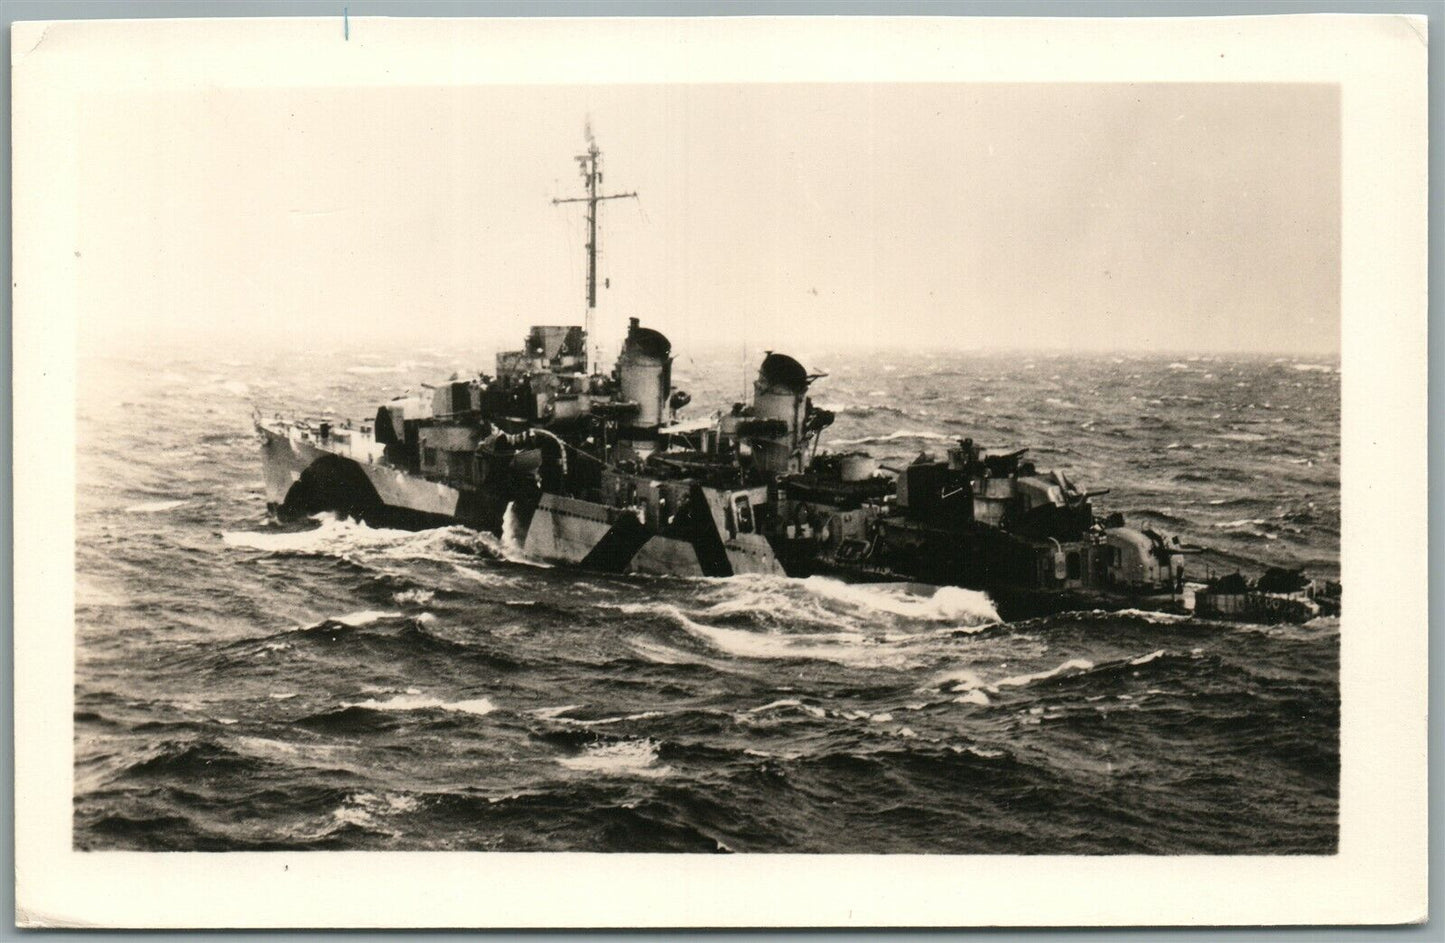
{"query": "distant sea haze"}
(477, 341)
(243, 686)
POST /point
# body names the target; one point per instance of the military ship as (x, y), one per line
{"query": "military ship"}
(598, 470)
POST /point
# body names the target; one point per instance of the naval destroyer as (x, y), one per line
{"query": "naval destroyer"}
(597, 468)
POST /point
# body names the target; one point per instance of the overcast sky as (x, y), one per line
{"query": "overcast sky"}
(1168, 217)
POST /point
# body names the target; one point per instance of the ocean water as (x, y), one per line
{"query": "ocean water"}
(244, 686)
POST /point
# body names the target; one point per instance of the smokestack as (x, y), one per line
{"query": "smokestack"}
(780, 393)
(644, 377)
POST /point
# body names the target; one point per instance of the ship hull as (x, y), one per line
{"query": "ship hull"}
(571, 531)
(303, 479)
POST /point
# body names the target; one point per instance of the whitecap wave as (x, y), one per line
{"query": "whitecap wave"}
(1252, 528)
(754, 595)
(559, 714)
(959, 679)
(334, 535)
(658, 653)
(363, 808)
(604, 721)
(946, 603)
(510, 546)
(1145, 659)
(790, 702)
(267, 748)
(922, 435)
(499, 549)
(1149, 615)
(358, 619)
(1018, 681)
(548, 713)
(851, 649)
(624, 758)
(155, 507)
(830, 603)
(845, 648)
(487, 577)
(353, 815)
(417, 702)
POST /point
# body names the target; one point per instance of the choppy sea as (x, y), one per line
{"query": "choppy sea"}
(240, 685)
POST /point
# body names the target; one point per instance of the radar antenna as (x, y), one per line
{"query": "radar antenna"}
(590, 166)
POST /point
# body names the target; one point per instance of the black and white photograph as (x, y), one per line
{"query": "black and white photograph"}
(835, 468)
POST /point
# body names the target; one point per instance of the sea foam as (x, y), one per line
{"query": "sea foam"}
(333, 535)
(624, 758)
(418, 702)
(155, 507)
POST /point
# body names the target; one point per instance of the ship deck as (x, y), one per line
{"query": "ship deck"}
(349, 440)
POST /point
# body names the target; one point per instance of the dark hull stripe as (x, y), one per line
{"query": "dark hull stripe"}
(698, 526)
(618, 546)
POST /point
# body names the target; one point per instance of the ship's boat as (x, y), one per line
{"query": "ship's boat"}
(598, 471)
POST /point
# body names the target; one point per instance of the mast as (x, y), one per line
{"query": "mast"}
(590, 164)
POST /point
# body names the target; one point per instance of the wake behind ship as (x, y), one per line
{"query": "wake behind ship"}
(601, 471)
